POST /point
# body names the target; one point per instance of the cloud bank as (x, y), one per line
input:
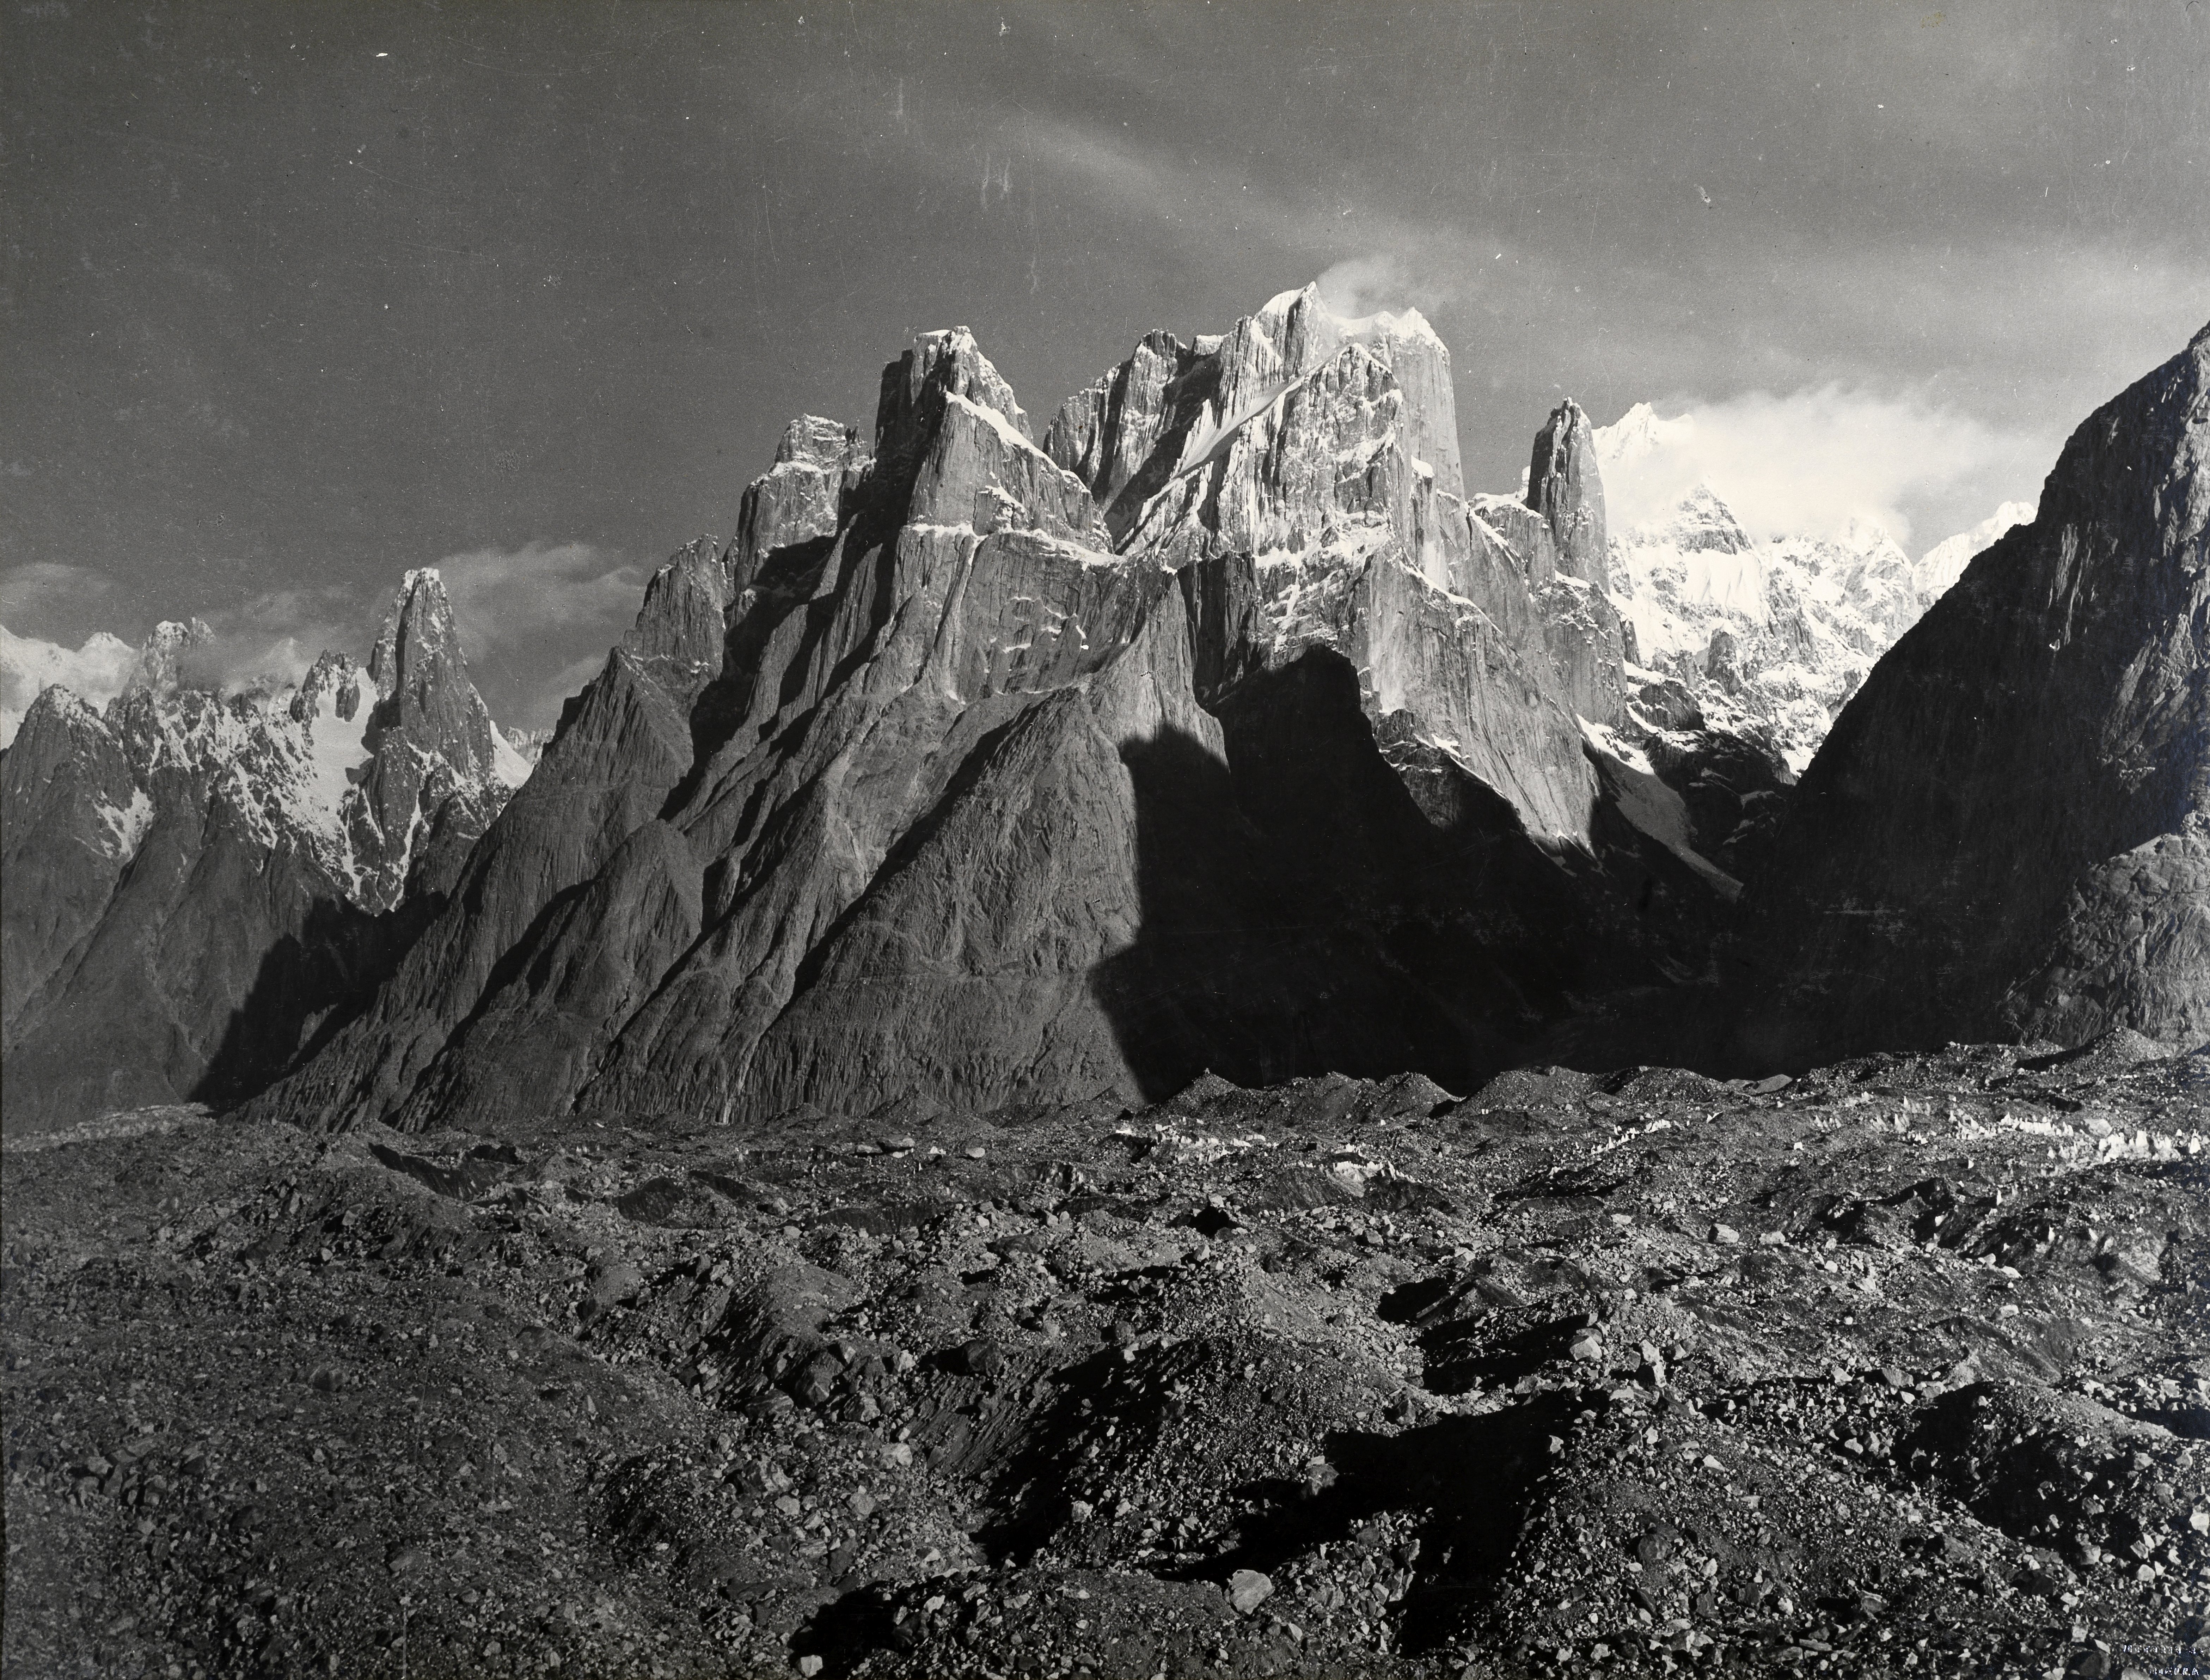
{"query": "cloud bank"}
(95, 672)
(1807, 462)
(1389, 279)
(531, 618)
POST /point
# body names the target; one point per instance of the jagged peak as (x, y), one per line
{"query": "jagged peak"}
(814, 440)
(1302, 335)
(161, 662)
(64, 706)
(945, 361)
(417, 627)
(1368, 329)
(1566, 443)
(966, 371)
(1942, 564)
(1639, 432)
(335, 678)
(1863, 535)
(1700, 522)
(1565, 486)
(685, 601)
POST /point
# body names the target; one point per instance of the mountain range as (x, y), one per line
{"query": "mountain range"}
(1770, 635)
(1219, 727)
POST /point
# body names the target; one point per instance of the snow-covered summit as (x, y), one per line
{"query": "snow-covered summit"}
(1945, 562)
(1700, 523)
(1382, 324)
(350, 768)
(1775, 630)
(1638, 434)
(97, 672)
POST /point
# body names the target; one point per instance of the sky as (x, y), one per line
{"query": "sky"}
(297, 297)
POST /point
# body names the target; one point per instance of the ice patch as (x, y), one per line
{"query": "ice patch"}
(126, 825)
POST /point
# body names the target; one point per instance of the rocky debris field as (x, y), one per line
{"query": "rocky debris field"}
(1897, 1369)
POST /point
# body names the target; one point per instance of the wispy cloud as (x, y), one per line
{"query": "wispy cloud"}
(272, 638)
(38, 587)
(1371, 257)
(1393, 280)
(535, 622)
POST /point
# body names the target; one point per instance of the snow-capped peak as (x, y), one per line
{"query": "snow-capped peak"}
(161, 665)
(1637, 433)
(1699, 524)
(1404, 324)
(349, 765)
(1805, 614)
(1943, 564)
(1863, 536)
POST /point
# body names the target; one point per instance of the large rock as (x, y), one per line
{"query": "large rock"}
(1321, 452)
(2005, 832)
(1565, 486)
(680, 875)
(197, 883)
(799, 500)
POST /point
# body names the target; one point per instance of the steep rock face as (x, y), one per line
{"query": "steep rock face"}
(434, 758)
(680, 630)
(1108, 436)
(196, 881)
(1565, 486)
(2132, 946)
(817, 465)
(1324, 450)
(1274, 385)
(871, 713)
(74, 815)
(1942, 565)
(984, 799)
(2004, 832)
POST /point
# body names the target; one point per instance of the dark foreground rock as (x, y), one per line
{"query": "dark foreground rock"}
(2008, 832)
(1895, 1369)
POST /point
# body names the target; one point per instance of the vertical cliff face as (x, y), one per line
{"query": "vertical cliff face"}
(900, 793)
(817, 465)
(195, 880)
(2005, 832)
(1564, 487)
(72, 814)
(1324, 452)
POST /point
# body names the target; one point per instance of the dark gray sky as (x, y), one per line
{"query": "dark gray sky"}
(298, 296)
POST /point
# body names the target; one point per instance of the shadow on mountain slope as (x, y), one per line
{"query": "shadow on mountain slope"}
(1301, 915)
(309, 983)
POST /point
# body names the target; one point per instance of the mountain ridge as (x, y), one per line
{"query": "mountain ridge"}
(1221, 728)
(195, 879)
